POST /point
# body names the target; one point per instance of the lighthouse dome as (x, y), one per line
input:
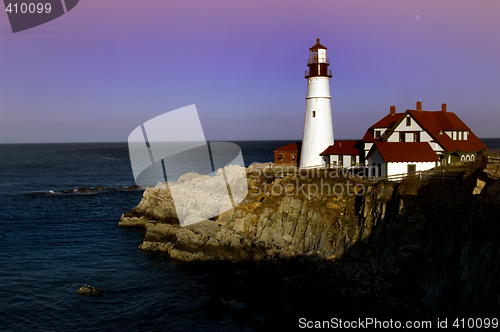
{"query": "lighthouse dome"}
(317, 46)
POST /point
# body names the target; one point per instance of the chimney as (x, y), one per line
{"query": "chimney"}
(419, 105)
(393, 110)
(443, 108)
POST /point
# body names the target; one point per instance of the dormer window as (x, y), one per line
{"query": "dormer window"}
(408, 121)
(378, 133)
(416, 137)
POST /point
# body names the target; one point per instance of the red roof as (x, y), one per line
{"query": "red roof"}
(342, 148)
(406, 151)
(292, 147)
(387, 122)
(437, 122)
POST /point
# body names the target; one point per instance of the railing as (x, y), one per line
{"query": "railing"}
(323, 166)
(430, 175)
(329, 73)
(350, 172)
(316, 60)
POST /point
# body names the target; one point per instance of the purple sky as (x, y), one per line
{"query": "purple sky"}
(96, 73)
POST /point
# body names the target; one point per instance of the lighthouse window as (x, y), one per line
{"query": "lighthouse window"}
(314, 114)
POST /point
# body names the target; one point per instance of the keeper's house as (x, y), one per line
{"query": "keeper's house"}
(448, 136)
(418, 140)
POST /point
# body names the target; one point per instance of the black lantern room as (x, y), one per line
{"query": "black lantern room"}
(318, 62)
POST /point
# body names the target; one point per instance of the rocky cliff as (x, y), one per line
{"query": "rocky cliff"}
(438, 239)
(279, 219)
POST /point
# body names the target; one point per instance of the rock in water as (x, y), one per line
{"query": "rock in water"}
(89, 291)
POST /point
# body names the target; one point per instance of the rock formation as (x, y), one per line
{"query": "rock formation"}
(440, 238)
(89, 291)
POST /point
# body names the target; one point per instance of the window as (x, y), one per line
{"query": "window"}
(377, 133)
(314, 114)
(341, 160)
(353, 159)
(408, 121)
(280, 156)
(412, 169)
(416, 137)
(293, 157)
(402, 137)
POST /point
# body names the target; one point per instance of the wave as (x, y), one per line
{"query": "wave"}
(89, 190)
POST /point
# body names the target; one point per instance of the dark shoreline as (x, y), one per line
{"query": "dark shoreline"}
(268, 296)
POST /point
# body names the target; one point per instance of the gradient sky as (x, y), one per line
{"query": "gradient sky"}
(96, 73)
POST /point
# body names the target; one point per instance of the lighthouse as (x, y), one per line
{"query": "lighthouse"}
(318, 128)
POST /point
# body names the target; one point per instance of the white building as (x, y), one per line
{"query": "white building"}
(318, 128)
(447, 135)
(435, 137)
(342, 154)
(392, 158)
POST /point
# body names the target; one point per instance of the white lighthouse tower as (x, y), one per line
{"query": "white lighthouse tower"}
(318, 128)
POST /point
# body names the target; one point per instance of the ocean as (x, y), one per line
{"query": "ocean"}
(58, 231)
(56, 236)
